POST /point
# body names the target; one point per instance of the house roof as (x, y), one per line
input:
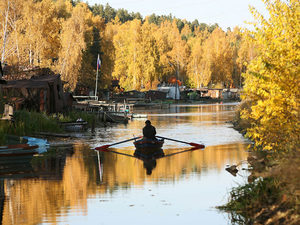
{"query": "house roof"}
(35, 82)
(25, 84)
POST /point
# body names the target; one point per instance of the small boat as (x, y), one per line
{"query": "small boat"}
(14, 146)
(78, 125)
(17, 150)
(16, 159)
(133, 115)
(116, 117)
(148, 145)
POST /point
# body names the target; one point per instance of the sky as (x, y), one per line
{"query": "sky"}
(227, 13)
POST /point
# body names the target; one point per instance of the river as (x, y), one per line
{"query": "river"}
(72, 184)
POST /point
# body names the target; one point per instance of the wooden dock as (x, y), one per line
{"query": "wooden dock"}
(107, 112)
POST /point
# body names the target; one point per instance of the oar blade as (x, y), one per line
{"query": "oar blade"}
(198, 146)
(102, 148)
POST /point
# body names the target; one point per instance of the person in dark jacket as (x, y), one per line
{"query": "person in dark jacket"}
(149, 131)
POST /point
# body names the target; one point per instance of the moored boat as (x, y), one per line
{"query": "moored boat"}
(16, 158)
(134, 115)
(74, 125)
(116, 117)
(18, 150)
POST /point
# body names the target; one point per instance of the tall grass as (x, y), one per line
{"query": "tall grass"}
(245, 201)
(30, 122)
(74, 115)
(27, 123)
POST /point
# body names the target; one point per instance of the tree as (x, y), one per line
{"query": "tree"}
(8, 22)
(109, 13)
(186, 32)
(37, 34)
(73, 45)
(272, 79)
(196, 66)
(194, 25)
(217, 61)
(94, 27)
(178, 54)
(108, 49)
(150, 56)
(98, 10)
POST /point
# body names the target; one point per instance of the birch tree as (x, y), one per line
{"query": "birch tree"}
(73, 44)
(272, 80)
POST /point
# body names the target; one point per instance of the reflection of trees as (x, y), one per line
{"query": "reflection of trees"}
(2, 199)
(212, 113)
(30, 200)
(58, 190)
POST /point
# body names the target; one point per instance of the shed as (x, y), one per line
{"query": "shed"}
(39, 93)
(231, 93)
(172, 92)
(214, 93)
(154, 95)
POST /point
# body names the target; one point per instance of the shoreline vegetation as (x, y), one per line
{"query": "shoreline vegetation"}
(272, 194)
(269, 117)
(40, 124)
(27, 123)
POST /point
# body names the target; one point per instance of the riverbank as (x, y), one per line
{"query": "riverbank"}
(196, 102)
(272, 195)
(40, 124)
(27, 123)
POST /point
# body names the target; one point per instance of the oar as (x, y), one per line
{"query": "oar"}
(120, 153)
(188, 150)
(184, 142)
(105, 147)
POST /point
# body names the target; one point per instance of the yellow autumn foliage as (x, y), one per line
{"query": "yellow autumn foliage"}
(272, 80)
(68, 37)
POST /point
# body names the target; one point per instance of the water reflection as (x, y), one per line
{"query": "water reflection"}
(67, 179)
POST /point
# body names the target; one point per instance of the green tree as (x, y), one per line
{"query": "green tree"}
(86, 78)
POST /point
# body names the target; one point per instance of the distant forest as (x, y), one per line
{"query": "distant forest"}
(67, 37)
(109, 14)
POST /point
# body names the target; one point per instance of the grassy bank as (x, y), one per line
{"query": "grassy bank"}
(28, 123)
(272, 194)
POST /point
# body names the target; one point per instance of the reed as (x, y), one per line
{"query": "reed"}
(74, 115)
(245, 201)
(27, 123)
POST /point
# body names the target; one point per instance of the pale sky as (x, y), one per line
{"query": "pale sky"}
(227, 13)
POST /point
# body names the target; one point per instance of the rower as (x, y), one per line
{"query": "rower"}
(149, 131)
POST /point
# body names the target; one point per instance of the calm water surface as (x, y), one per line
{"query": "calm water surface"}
(75, 185)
